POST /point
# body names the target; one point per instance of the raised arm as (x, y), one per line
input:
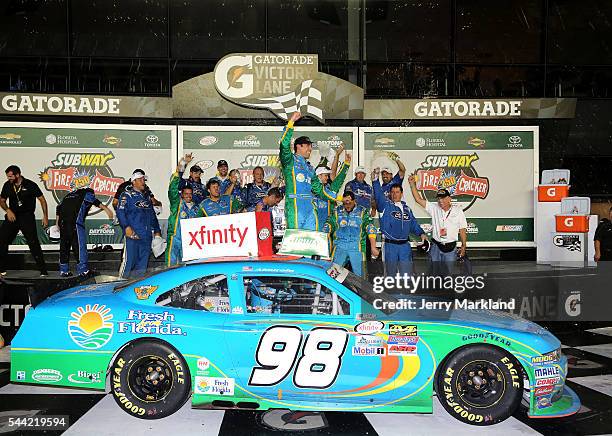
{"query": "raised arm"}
(285, 154)
(379, 196)
(415, 192)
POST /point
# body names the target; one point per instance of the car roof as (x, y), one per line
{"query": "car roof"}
(273, 259)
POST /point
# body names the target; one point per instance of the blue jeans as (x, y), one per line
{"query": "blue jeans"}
(441, 263)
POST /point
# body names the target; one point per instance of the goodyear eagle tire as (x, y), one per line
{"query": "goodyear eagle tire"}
(480, 385)
(150, 380)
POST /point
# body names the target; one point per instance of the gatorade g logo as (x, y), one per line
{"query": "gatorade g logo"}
(569, 222)
(455, 173)
(551, 192)
(70, 171)
(234, 76)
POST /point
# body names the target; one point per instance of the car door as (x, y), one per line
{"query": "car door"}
(295, 343)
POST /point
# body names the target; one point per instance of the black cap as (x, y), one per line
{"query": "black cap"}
(221, 163)
(442, 193)
(302, 140)
(139, 170)
(195, 169)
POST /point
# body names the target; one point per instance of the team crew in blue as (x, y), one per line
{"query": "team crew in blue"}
(217, 204)
(70, 218)
(253, 192)
(182, 206)
(194, 181)
(222, 176)
(266, 203)
(363, 192)
(350, 226)
(138, 221)
(397, 222)
(388, 179)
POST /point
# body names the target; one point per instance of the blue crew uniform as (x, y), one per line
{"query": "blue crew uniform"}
(224, 206)
(224, 184)
(324, 209)
(136, 211)
(72, 212)
(397, 222)
(350, 230)
(362, 191)
(252, 194)
(198, 188)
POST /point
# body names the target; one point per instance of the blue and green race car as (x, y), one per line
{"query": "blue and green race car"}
(286, 333)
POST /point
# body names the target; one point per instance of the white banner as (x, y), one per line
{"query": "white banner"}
(219, 236)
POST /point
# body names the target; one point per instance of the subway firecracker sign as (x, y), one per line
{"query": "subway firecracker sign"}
(242, 234)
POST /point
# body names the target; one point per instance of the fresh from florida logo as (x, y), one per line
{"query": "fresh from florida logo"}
(90, 327)
(455, 173)
(70, 171)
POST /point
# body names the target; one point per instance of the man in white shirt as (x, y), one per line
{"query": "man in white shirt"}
(449, 225)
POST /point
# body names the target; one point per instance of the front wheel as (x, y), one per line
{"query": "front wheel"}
(150, 379)
(480, 385)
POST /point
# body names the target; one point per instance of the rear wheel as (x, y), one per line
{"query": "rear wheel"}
(150, 380)
(480, 385)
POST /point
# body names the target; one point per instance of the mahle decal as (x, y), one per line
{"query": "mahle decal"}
(455, 173)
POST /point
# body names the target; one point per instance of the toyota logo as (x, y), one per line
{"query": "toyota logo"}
(152, 138)
(514, 139)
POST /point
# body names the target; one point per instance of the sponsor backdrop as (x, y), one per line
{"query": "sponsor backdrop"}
(491, 172)
(244, 148)
(101, 156)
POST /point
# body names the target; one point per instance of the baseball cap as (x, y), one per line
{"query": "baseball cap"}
(303, 140)
(442, 193)
(322, 170)
(221, 163)
(386, 169)
(138, 175)
(360, 169)
(195, 169)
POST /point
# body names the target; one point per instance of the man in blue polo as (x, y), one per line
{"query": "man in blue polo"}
(397, 222)
(138, 221)
(217, 204)
(361, 189)
(388, 179)
(194, 181)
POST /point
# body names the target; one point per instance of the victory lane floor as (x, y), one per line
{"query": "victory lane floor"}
(590, 375)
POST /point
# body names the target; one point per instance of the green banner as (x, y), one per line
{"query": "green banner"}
(444, 140)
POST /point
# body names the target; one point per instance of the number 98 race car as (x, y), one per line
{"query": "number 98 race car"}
(286, 333)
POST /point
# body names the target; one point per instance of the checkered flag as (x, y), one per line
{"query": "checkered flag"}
(306, 99)
(574, 246)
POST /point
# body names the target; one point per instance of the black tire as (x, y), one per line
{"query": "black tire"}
(150, 379)
(480, 385)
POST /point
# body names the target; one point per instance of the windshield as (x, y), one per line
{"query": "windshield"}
(359, 286)
(125, 283)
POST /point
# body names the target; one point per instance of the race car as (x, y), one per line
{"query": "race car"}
(290, 333)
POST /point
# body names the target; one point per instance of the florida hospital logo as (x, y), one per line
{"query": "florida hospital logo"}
(70, 171)
(455, 173)
(281, 83)
(90, 327)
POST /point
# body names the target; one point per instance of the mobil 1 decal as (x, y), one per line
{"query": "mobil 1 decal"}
(455, 172)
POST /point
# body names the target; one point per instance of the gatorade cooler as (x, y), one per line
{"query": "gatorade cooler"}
(574, 217)
(554, 185)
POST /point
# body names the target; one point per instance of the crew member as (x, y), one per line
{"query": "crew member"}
(300, 180)
(388, 179)
(266, 203)
(138, 221)
(362, 191)
(448, 225)
(194, 181)
(217, 204)
(123, 186)
(70, 218)
(222, 176)
(351, 225)
(182, 206)
(326, 206)
(603, 239)
(397, 222)
(253, 192)
(21, 194)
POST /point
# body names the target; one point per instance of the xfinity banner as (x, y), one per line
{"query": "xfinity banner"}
(62, 157)
(491, 172)
(242, 234)
(246, 147)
